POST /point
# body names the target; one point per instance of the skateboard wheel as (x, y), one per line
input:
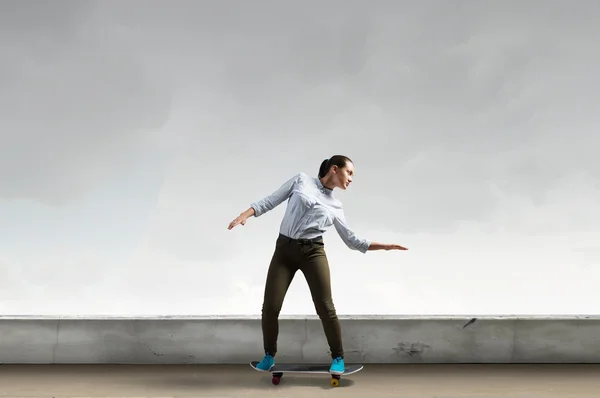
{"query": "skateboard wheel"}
(334, 382)
(275, 380)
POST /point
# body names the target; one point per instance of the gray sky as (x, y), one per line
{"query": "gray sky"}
(131, 134)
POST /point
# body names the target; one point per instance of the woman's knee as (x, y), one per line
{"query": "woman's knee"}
(325, 309)
(271, 308)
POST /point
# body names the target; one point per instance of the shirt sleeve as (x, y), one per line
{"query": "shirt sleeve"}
(347, 235)
(276, 198)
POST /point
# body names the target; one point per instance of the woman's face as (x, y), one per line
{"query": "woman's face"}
(343, 176)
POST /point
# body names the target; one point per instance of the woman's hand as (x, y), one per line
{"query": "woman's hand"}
(238, 220)
(393, 246)
(386, 246)
(241, 219)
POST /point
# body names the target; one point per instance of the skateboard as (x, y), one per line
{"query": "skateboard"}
(279, 369)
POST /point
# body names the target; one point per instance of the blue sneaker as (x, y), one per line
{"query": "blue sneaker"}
(337, 366)
(267, 362)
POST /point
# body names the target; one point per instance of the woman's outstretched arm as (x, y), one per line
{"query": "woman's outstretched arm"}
(268, 203)
(361, 244)
(385, 246)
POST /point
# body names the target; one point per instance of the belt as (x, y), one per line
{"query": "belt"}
(318, 240)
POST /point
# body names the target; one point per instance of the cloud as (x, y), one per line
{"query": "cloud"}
(472, 127)
(448, 100)
(78, 103)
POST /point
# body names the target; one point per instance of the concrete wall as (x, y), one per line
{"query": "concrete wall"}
(367, 339)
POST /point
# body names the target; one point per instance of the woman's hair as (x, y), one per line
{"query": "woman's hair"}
(337, 160)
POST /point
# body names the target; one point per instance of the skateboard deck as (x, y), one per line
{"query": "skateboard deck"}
(279, 369)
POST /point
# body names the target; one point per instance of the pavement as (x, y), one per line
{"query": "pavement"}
(219, 381)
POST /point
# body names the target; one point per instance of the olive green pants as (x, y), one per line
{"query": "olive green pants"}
(310, 258)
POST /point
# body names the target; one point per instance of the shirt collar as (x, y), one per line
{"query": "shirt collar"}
(323, 188)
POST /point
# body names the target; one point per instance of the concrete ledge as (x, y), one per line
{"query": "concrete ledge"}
(238, 340)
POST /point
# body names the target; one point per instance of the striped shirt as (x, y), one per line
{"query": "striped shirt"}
(311, 210)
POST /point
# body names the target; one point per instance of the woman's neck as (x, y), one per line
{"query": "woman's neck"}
(327, 183)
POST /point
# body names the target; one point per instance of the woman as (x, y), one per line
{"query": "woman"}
(311, 210)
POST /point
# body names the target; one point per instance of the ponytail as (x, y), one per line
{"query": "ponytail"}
(337, 160)
(323, 169)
